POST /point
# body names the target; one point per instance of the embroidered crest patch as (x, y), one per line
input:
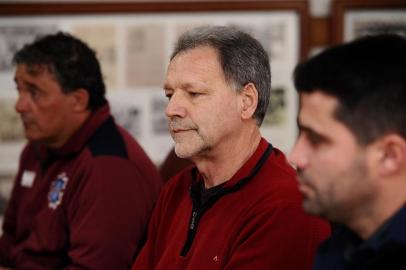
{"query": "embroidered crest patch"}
(56, 190)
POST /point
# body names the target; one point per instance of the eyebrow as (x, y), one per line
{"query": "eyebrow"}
(185, 86)
(312, 132)
(18, 82)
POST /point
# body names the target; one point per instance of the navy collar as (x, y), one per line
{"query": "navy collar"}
(390, 236)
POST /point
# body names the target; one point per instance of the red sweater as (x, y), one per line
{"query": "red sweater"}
(84, 206)
(254, 221)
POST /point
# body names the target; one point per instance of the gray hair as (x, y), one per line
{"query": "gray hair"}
(242, 57)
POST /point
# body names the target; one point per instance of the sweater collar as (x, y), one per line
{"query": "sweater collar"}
(245, 173)
(250, 165)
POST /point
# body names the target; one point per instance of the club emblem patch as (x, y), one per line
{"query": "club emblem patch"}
(56, 191)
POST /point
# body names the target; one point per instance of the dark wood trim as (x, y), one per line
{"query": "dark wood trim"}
(68, 8)
(339, 7)
(320, 33)
(150, 6)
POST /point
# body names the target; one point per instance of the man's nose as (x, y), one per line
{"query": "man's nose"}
(297, 156)
(22, 104)
(176, 106)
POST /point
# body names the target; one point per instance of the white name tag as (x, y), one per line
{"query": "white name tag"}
(27, 180)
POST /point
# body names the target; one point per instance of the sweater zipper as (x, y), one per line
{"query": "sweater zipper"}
(197, 212)
(194, 221)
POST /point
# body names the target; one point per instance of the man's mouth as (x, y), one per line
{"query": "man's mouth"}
(175, 131)
(26, 122)
(303, 184)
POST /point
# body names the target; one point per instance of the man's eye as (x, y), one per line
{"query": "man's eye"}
(194, 94)
(168, 95)
(315, 139)
(34, 92)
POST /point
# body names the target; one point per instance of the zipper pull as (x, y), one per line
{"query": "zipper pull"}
(193, 221)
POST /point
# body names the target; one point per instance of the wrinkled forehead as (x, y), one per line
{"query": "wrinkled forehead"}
(33, 73)
(35, 69)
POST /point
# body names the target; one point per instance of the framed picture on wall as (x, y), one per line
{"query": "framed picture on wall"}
(356, 18)
(134, 40)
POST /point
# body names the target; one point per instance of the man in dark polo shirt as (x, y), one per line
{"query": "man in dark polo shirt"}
(351, 151)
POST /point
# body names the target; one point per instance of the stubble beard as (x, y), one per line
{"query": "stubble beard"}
(330, 205)
(314, 207)
(189, 142)
(189, 145)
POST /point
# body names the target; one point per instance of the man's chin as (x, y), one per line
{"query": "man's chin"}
(33, 137)
(186, 150)
(181, 153)
(30, 137)
(310, 208)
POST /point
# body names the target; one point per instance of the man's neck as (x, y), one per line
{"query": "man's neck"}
(221, 164)
(69, 131)
(385, 207)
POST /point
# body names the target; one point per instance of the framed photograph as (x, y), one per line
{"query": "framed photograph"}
(134, 40)
(356, 18)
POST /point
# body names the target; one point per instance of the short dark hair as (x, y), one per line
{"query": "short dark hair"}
(242, 57)
(70, 60)
(368, 78)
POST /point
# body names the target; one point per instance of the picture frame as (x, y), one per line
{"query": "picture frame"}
(137, 99)
(355, 18)
(300, 7)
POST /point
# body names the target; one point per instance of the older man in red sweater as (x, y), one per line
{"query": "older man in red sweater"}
(239, 207)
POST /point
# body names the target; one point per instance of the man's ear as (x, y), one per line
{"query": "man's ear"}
(391, 154)
(249, 96)
(80, 99)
